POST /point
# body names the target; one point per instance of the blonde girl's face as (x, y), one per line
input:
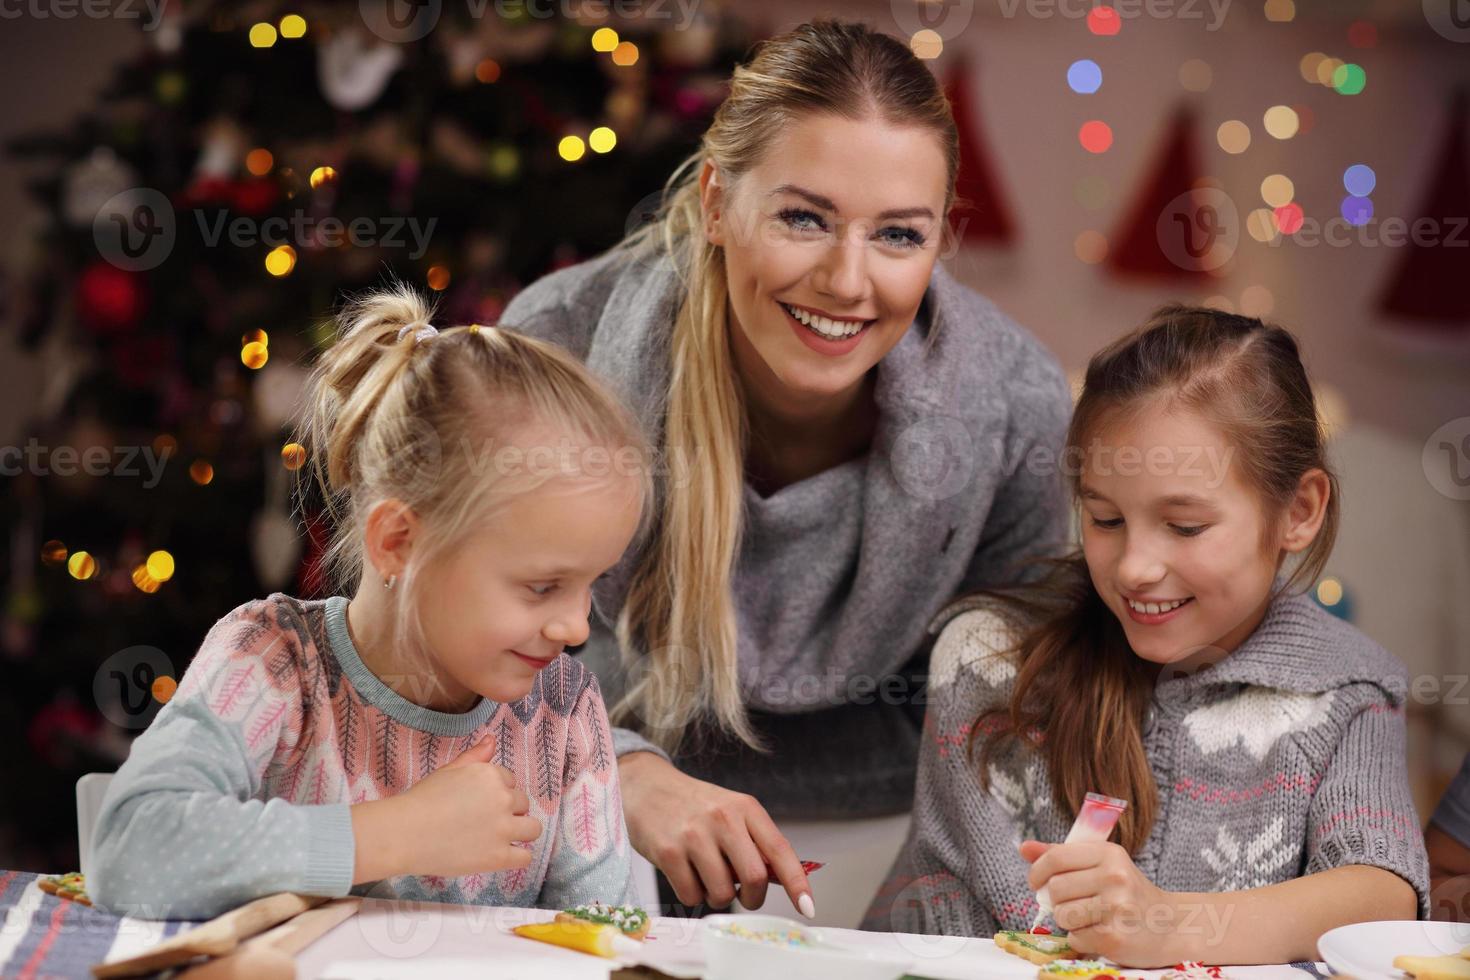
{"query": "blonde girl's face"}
(1178, 546)
(829, 243)
(504, 604)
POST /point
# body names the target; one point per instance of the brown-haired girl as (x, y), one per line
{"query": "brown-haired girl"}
(425, 738)
(1174, 663)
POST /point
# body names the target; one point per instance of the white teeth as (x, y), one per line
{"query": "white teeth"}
(1154, 608)
(831, 329)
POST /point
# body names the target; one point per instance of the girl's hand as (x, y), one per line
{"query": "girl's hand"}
(705, 838)
(465, 817)
(1105, 904)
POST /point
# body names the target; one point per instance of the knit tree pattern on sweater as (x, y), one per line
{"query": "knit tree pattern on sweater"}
(245, 776)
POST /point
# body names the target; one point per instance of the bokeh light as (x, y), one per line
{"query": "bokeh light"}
(1084, 77)
(1309, 64)
(487, 72)
(1196, 75)
(280, 260)
(1363, 34)
(1359, 180)
(262, 35)
(1096, 136)
(602, 139)
(438, 278)
(254, 355)
(1277, 190)
(571, 148)
(293, 456)
(1357, 211)
(1290, 218)
(1281, 122)
(259, 162)
(1234, 136)
(322, 175)
(1261, 225)
(53, 552)
(605, 40)
(160, 565)
(1091, 247)
(625, 54)
(1280, 11)
(1349, 79)
(293, 26)
(201, 472)
(81, 566)
(926, 44)
(1104, 21)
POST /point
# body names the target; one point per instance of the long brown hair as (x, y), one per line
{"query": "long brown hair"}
(677, 628)
(1081, 693)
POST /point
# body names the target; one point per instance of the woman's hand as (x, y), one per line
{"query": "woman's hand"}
(465, 817)
(705, 839)
(1105, 904)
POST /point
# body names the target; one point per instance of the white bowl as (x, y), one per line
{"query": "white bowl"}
(730, 957)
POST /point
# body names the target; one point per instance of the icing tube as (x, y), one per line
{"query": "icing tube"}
(1094, 824)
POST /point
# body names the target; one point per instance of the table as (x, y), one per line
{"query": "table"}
(43, 936)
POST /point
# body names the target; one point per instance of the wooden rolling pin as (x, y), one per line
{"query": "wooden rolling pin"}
(216, 937)
(271, 955)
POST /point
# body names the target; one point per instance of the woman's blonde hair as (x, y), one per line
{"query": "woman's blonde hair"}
(440, 420)
(677, 627)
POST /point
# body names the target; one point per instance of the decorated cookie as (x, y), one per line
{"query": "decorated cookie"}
(69, 886)
(1434, 967)
(1190, 970)
(1079, 970)
(1038, 949)
(632, 920)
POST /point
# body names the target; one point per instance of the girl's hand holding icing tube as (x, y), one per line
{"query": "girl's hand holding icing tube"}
(1104, 903)
(465, 817)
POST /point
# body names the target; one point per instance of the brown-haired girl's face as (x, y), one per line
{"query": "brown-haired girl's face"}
(829, 242)
(1179, 546)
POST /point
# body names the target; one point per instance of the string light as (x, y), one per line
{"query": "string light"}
(1277, 190)
(1084, 77)
(625, 55)
(571, 148)
(604, 40)
(280, 260)
(160, 565)
(53, 552)
(143, 581)
(1104, 21)
(1234, 136)
(262, 35)
(1349, 79)
(322, 175)
(254, 356)
(602, 139)
(438, 278)
(926, 44)
(293, 456)
(1281, 122)
(1096, 136)
(201, 472)
(81, 566)
(293, 26)
(259, 162)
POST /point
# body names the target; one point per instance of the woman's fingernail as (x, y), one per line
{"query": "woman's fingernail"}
(806, 906)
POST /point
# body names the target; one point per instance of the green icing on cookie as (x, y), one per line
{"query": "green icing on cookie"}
(628, 918)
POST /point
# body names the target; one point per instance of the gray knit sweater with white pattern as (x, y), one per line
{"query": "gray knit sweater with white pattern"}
(1285, 759)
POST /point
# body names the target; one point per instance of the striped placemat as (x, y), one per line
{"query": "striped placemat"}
(42, 936)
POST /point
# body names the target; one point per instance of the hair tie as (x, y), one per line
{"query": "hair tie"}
(421, 331)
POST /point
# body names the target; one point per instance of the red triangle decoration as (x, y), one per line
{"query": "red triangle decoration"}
(1175, 226)
(980, 214)
(1432, 283)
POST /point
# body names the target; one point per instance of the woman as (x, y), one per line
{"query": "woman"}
(849, 439)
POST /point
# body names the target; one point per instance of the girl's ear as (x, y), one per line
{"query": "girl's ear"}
(388, 537)
(1307, 510)
(711, 202)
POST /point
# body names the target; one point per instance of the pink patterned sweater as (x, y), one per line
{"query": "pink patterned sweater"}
(242, 785)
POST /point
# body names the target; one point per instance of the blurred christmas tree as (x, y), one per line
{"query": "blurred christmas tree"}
(258, 161)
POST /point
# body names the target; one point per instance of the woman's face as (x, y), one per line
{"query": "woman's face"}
(829, 243)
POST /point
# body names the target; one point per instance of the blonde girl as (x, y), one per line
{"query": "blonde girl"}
(421, 735)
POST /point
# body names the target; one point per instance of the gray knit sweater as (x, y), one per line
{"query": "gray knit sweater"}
(1285, 759)
(839, 574)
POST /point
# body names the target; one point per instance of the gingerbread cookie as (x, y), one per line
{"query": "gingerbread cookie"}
(69, 886)
(632, 921)
(1029, 946)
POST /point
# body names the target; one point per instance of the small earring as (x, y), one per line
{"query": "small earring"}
(390, 581)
